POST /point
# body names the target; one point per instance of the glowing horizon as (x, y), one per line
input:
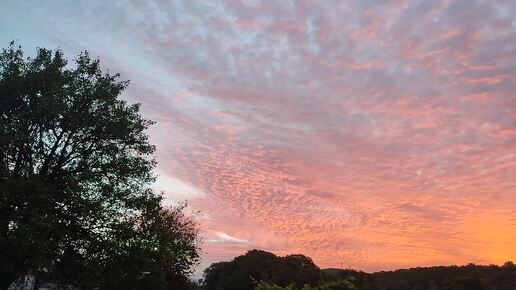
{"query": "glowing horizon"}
(374, 135)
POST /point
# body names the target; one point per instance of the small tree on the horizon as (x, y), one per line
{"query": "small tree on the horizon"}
(75, 173)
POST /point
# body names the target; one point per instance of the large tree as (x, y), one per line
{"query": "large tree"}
(75, 173)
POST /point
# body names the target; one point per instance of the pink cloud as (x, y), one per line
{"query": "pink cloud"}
(375, 134)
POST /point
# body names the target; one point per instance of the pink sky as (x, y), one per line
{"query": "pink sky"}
(376, 134)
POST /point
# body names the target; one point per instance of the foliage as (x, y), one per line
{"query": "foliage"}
(75, 170)
(359, 279)
(328, 285)
(265, 286)
(471, 277)
(292, 272)
(245, 271)
(346, 284)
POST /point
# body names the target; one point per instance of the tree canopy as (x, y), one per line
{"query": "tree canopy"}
(75, 173)
(244, 272)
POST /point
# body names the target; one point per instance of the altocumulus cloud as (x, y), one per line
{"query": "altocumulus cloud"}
(376, 133)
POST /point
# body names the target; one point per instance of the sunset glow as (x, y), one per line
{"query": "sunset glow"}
(367, 134)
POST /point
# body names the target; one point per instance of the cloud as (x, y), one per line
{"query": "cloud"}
(176, 190)
(223, 238)
(377, 133)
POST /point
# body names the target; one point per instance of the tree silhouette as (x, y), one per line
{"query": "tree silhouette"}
(260, 270)
(75, 170)
(246, 271)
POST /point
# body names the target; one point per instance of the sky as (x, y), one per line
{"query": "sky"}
(367, 134)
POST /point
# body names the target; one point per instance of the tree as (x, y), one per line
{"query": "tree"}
(346, 284)
(246, 271)
(265, 286)
(75, 170)
(298, 270)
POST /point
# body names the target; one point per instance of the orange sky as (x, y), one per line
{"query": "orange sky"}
(374, 135)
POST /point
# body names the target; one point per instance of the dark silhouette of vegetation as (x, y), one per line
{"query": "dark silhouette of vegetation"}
(265, 271)
(75, 169)
(266, 286)
(469, 277)
(347, 284)
(361, 280)
(245, 272)
(328, 285)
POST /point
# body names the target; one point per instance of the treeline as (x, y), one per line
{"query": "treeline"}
(467, 277)
(260, 270)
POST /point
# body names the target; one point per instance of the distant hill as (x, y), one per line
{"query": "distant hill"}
(246, 271)
(469, 277)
